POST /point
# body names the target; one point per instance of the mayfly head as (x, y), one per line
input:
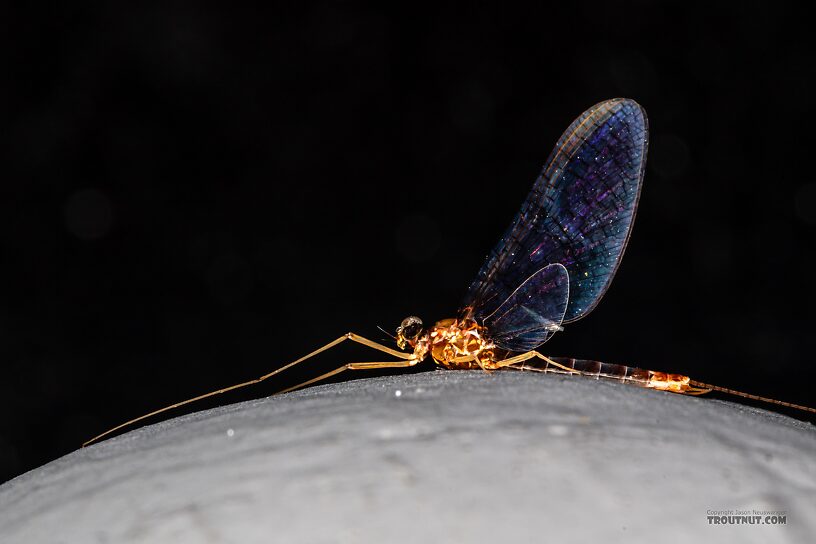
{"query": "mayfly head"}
(409, 332)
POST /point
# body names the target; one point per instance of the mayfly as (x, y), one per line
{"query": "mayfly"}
(551, 267)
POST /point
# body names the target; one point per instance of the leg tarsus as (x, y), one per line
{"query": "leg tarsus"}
(408, 359)
(348, 336)
(351, 366)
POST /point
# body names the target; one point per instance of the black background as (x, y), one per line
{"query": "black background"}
(193, 196)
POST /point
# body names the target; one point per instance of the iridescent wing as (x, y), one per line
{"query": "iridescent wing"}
(533, 312)
(579, 214)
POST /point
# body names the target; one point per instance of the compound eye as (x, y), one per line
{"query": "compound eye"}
(410, 327)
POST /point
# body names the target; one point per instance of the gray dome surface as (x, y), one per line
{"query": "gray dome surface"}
(444, 456)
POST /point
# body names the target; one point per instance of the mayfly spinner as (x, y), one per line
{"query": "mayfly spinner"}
(551, 267)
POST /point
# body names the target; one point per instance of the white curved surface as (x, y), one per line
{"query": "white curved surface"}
(456, 457)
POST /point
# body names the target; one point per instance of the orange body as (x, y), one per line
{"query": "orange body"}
(458, 344)
(463, 344)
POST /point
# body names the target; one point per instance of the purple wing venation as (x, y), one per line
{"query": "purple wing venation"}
(579, 214)
(533, 312)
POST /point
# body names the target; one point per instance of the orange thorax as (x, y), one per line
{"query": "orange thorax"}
(458, 343)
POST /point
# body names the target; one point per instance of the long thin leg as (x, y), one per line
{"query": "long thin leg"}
(409, 357)
(529, 355)
(351, 366)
